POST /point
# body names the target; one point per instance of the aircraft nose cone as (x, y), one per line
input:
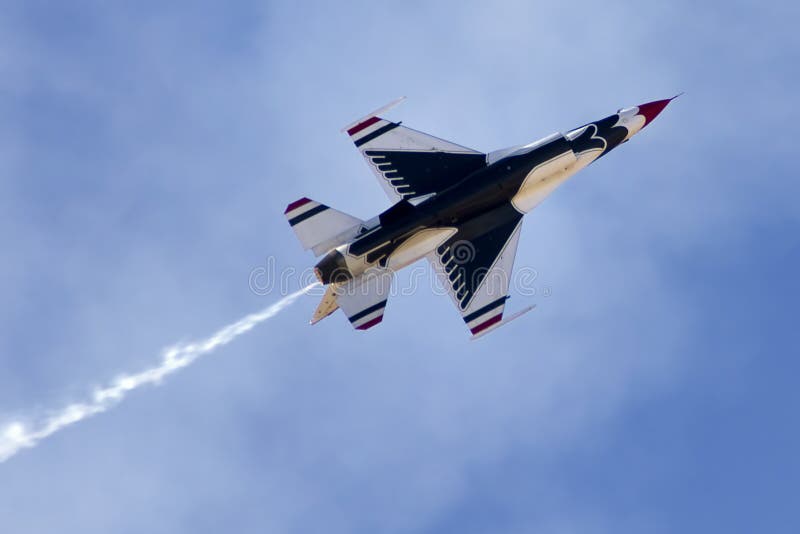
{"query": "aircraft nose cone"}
(651, 110)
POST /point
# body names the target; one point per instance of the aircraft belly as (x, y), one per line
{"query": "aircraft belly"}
(544, 179)
(356, 265)
(418, 245)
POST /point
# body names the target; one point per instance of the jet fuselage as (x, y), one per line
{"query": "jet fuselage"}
(511, 183)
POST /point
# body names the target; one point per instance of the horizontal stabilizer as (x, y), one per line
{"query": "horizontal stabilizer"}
(363, 300)
(320, 227)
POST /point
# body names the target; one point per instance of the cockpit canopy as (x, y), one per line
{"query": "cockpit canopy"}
(497, 155)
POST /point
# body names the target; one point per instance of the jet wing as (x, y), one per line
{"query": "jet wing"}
(411, 164)
(363, 299)
(475, 267)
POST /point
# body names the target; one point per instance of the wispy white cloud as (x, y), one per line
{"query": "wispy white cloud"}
(19, 435)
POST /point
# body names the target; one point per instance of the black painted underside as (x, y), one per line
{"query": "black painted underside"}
(414, 174)
(468, 256)
(471, 196)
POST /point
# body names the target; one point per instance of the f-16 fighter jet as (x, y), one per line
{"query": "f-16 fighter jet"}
(460, 208)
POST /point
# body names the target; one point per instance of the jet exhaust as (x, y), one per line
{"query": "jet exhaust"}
(23, 434)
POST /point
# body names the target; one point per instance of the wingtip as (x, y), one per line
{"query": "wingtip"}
(496, 325)
(375, 113)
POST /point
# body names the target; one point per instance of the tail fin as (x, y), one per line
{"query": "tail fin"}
(319, 227)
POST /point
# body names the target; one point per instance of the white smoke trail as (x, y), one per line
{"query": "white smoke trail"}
(18, 435)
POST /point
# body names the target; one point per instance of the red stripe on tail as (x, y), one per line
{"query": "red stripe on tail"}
(296, 204)
(370, 323)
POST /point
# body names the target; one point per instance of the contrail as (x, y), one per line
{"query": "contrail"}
(18, 435)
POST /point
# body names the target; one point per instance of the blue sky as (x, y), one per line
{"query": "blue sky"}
(148, 149)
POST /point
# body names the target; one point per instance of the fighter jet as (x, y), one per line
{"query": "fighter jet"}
(460, 208)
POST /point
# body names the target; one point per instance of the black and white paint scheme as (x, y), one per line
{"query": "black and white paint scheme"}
(460, 208)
